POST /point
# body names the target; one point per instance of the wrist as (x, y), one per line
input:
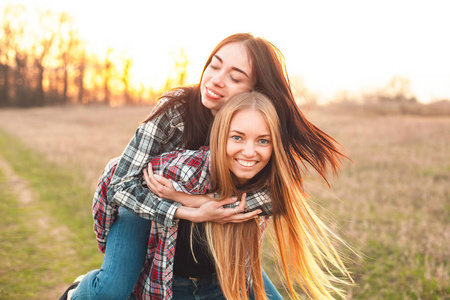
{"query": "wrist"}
(193, 201)
(189, 213)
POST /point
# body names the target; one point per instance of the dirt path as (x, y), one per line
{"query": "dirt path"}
(48, 231)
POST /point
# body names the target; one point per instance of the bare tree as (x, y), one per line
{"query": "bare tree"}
(127, 64)
(42, 50)
(14, 59)
(399, 90)
(5, 46)
(68, 42)
(178, 75)
(80, 77)
(7, 41)
(107, 76)
(45, 44)
(21, 84)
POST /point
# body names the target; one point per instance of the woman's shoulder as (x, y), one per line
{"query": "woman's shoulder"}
(171, 104)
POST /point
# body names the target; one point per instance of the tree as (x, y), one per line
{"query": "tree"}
(79, 80)
(45, 39)
(11, 32)
(127, 64)
(68, 43)
(5, 47)
(107, 76)
(21, 84)
(45, 44)
(178, 75)
(399, 90)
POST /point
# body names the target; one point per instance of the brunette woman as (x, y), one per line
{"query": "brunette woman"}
(183, 119)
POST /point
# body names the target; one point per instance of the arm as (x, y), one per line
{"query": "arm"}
(103, 212)
(164, 188)
(182, 176)
(186, 172)
(215, 211)
(160, 134)
(223, 211)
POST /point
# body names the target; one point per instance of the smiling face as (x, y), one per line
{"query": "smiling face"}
(228, 74)
(249, 144)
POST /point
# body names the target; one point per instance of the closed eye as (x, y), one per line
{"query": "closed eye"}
(234, 79)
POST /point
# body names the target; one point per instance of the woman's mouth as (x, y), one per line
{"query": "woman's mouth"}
(246, 163)
(212, 94)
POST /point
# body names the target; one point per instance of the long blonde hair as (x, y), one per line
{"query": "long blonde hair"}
(303, 240)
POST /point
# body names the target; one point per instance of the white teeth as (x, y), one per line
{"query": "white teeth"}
(246, 163)
(212, 93)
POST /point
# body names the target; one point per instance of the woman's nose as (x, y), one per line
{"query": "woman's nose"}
(217, 80)
(248, 150)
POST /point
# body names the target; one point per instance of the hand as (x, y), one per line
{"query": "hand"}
(159, 185)
(214, 211)
(163, 188)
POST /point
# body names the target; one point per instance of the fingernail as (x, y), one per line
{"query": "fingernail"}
(156, 176)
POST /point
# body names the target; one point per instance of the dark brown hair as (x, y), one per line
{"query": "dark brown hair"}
(302, 140)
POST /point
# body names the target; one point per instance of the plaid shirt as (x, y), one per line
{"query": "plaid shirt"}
(188, 170)
(159, 135)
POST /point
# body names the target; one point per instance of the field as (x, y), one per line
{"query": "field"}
(391, 202)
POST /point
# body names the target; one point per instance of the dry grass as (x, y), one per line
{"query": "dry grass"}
(392, 203)
(84, 137)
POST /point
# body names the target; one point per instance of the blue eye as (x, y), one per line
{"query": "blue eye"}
(264, 141)
(236, 137)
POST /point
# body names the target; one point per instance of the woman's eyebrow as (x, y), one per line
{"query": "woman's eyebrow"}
(234, 68)
(236, 131)
(262, 135)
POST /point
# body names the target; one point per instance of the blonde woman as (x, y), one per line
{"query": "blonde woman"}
(246, 153)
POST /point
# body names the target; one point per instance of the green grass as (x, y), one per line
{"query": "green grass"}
(392, 204)
(386, 267)
(34, 260)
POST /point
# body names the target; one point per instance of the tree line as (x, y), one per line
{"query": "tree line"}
(44, 61)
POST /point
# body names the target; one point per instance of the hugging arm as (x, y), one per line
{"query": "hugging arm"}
(187, 172)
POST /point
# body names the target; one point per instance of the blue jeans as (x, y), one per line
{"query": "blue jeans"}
(271, 291)
(124, 256)
(208, 288)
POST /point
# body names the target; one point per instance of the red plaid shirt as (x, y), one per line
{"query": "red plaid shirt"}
(189, 172)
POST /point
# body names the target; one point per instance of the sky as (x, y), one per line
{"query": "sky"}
(332, 45)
